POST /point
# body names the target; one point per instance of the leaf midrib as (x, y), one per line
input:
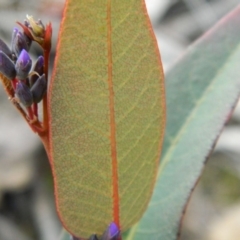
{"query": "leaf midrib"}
(112, 120)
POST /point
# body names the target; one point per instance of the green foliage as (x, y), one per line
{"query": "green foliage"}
(107, 115)
(202, 89)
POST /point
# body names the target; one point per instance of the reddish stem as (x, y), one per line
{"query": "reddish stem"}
(45, 112)
(35, 109)
(30, 113)
(14, 83)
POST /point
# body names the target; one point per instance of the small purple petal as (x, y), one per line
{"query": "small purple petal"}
(24, 57)
(112, 232)
(7, 67)
(39, 88)
(38, 67)
(113, 229)
(23, 65)
(24, 94)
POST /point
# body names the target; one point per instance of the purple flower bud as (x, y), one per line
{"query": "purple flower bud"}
(4, 47)
(28, 41)
(23, 65)
(39, 88)
(19, 42)
(7, 67)
(112, 232)
(38, 67)
(24, 94)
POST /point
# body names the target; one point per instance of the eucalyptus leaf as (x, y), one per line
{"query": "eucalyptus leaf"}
(106, 115)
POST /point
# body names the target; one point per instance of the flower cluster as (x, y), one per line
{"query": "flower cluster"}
(29, 81)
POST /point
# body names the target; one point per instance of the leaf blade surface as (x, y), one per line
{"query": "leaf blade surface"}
(106, 106)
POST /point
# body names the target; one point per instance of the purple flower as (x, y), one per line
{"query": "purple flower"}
(19, 42)
(112, 232)
(24, 94)
(23, 65)
(38, 68)
(7, 67)
(39, 89)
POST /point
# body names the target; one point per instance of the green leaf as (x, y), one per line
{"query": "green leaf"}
(201, 90)
(107, 115)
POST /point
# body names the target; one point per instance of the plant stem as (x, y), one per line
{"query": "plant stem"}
(45, 111)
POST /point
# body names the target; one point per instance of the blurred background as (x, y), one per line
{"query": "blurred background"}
(27, 210)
